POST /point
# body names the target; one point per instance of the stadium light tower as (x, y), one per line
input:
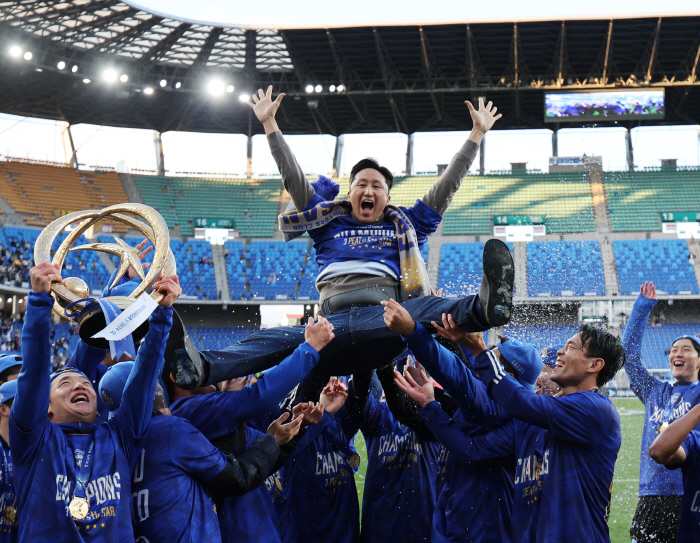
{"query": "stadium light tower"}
(28, 55)
(61, 65)
(15, 51)
(309, 88)
(124, 78)
(244, 97)
(148, 90)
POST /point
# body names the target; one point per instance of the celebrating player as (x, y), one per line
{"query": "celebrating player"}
(73, 478)
(8, 501)
(367, 250)
(660, 490)
(179, 470)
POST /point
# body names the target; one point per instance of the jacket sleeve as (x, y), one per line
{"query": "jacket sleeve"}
(87, 358)
(641, 381)
(134, 415)
(448, 370)
(498, 443)
(293, 177)
(33, 383)
(269, 391)
(440, 194)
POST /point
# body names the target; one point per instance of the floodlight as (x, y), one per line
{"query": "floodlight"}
(28, 55)
(331, 88)
(86, 81)
(341, 88)
(216, 87)
(309, 88)
(318, 88)
(163, 83)
(61, 65)
(109, 75)
(244, 97)
(230, 88)
(178, 85)
(74, 68)
(15, 51)
(123, 78)
(21, 301)
(148, 90)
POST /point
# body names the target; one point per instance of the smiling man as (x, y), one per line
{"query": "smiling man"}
(73, 477)
(564, 448)
(660, 489)
(367, 250)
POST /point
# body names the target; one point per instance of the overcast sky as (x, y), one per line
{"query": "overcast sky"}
(325, 13)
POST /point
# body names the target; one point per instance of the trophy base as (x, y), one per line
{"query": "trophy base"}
(92, 321)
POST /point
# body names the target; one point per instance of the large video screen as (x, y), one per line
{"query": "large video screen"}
(606, 105)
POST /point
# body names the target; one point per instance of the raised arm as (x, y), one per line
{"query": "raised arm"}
(134, 415)
(641, 380)
(575, 417)
(464, 446)
(33, 383)
(670, 447)
(293, 177)
(440, 194)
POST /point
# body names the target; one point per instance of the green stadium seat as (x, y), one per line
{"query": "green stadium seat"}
(252, 203)
(635, 199)
(564, 198)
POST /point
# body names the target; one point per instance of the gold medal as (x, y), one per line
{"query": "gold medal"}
(9, 515)
(663, 427)
(354, 460)
(79, 508)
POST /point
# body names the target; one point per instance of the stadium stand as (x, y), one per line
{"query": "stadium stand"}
(665, 262)
(541, 335)
(194, 265)
(41, 192)
(275, 267)
(84, 264)
(460, 268)
(235, 269)
(219, 338)
(564, 198)
(635, 199)
(564, 268)
(252, 204)
(659, 338)
(307, 283)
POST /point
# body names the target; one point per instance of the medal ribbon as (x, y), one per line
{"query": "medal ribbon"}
(118, 347)
(671, 407)
(84, 472)
(8, 494)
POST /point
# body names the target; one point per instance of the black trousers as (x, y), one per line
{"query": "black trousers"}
(656, 519)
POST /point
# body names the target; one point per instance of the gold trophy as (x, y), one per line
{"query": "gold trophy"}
(75, 292)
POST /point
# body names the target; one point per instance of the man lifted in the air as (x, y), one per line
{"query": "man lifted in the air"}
(368, 252)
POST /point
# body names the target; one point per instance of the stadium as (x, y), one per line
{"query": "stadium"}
(592, 176)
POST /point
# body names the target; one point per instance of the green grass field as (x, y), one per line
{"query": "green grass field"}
(626, 481)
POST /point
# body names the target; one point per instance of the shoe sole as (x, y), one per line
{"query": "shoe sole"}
(497, 281)
(182, 357)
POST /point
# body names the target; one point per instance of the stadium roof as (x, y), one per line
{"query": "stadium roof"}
(394, 78)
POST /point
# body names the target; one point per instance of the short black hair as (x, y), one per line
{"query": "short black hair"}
(372, 164)
(693, 343)
(9, 372)
(601, 343)
(9, 402)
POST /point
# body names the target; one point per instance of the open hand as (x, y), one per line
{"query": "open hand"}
(449, 329)
(398, 319)
(648, 290)
(283, 433)
(142, 254)
(264, 107)
(484, 117)
(422, 394)
(311, 413)
(333, 396)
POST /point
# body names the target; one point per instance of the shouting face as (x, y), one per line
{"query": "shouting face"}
(72, 399)
(684, 361)
(369, 195)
